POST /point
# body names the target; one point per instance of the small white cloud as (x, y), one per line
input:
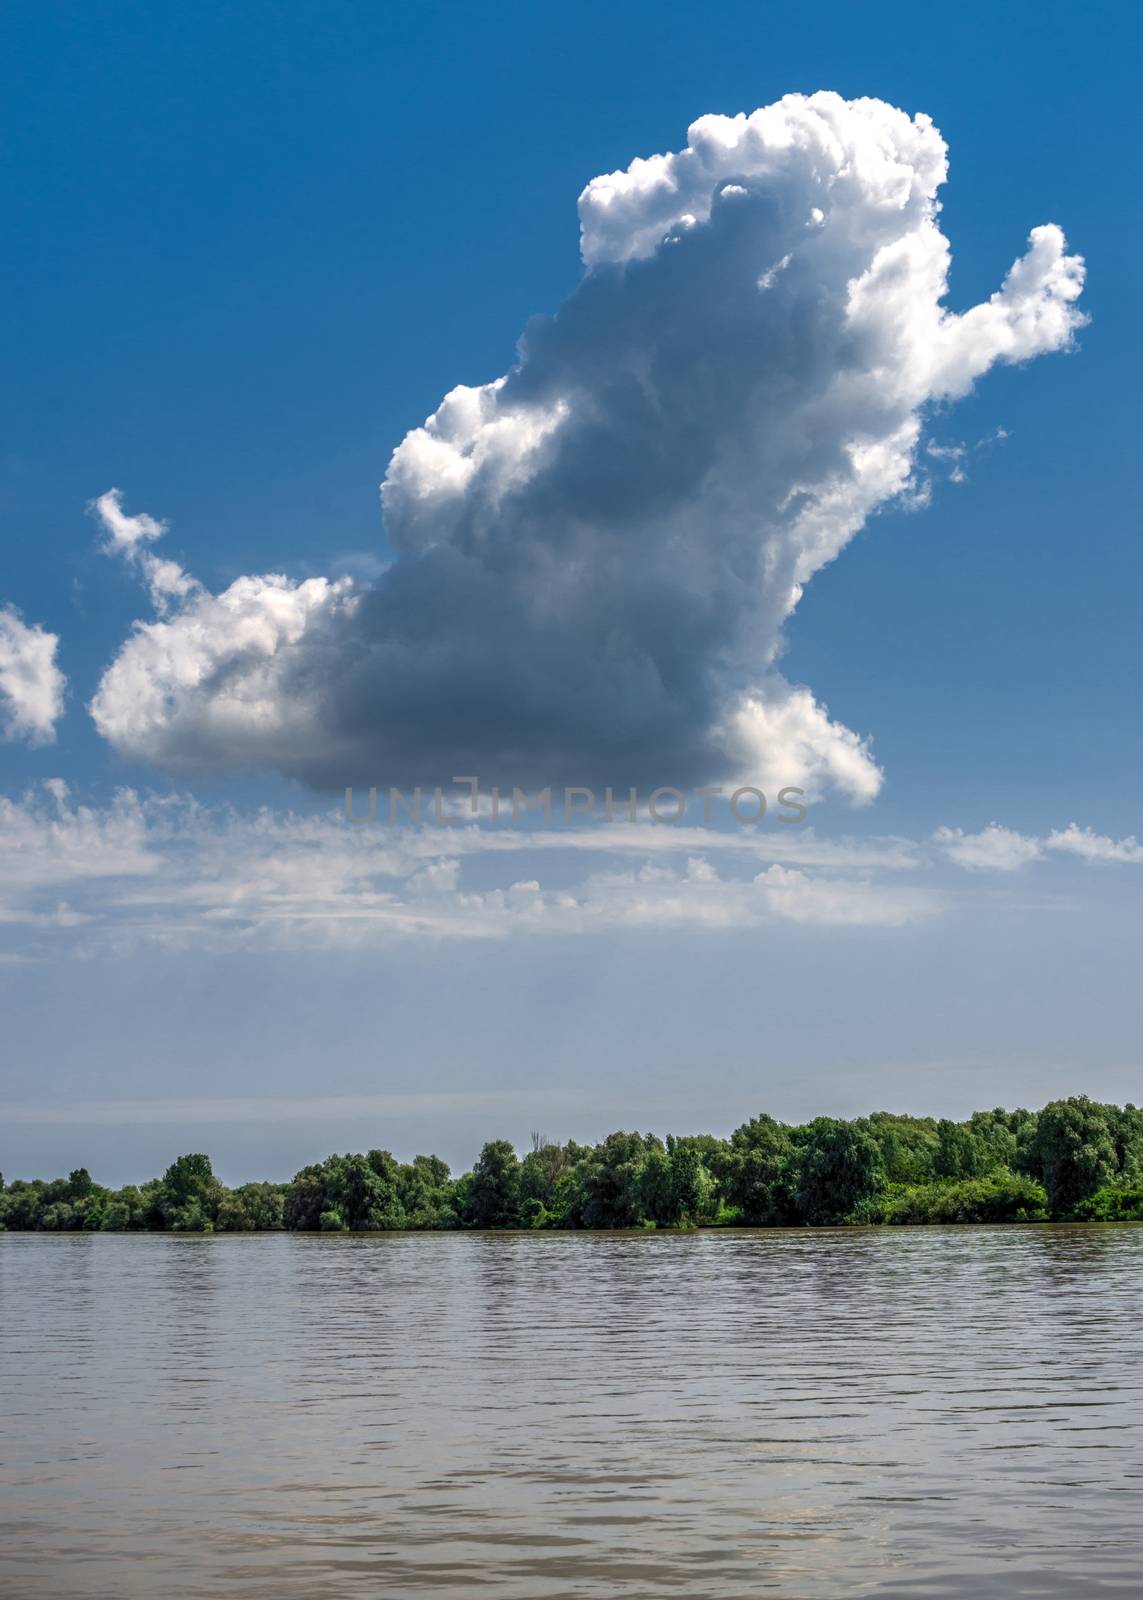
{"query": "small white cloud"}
(1000, 849)
(129, 536)
(125, 534)
(1096, 847)
(770, 278)
(31, 684)
(995, 849)
(951, 455)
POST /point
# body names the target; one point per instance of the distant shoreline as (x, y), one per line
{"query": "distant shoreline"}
(720, 1230)
(1074, 1160)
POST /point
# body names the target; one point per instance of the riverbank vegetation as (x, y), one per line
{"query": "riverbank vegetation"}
(1075, 1159)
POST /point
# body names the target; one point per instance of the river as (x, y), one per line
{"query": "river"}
(898, 1412)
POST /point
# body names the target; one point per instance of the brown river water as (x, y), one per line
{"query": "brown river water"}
(897, 1412)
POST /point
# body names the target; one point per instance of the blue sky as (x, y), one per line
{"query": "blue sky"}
(250, 248)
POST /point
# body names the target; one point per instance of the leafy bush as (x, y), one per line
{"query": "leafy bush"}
(999, 1197)
(1112, 1205)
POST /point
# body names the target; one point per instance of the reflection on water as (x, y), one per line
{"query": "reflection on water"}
(913, 1412)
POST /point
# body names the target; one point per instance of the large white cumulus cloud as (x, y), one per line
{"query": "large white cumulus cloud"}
(597, 551)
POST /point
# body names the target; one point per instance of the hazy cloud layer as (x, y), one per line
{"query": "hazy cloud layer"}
(168, 871)
(595, 554)
(31, 684)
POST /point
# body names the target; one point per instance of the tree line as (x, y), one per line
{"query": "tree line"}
(1074, 1159)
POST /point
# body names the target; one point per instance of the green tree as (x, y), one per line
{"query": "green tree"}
(757, 1152)
(126, 1211)
(542, 1174)
(1126, 1128)
(907, 1144)
(608, 1191)
(189, 1195)
(656, 1190)
(836, 1167)
(493, 1199)
(1073, 1152)
(351, 1191)
(364, 1190)
(676, 1185)
(424, 1190)
(254, 1207)
(959, 1154)
(305, 1199)
(995, 1134)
